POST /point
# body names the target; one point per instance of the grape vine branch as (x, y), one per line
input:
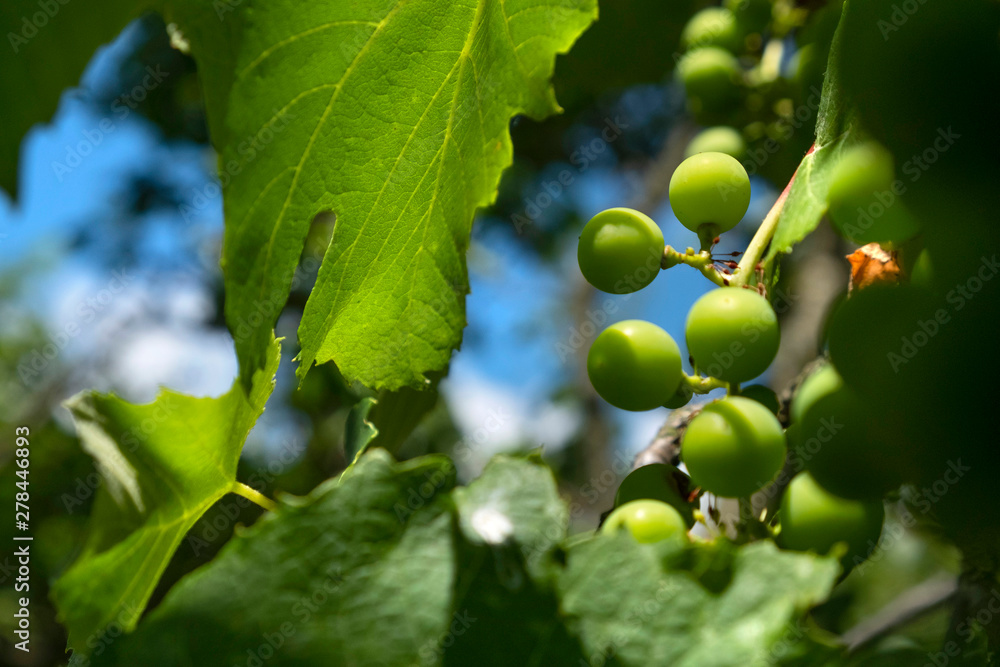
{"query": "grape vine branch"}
(704, 262)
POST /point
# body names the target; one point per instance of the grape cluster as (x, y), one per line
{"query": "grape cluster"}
(837, 497)
(747, 70)
(734, 446)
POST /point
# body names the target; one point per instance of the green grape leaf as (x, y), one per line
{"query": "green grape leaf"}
(358, 431)
(46, 46)
(835, 130)
(163, 465)
(391, 564)
(620, 598)
(397, 413)
(514, 500)
(358, 573)
(391, 114)
(511, 521)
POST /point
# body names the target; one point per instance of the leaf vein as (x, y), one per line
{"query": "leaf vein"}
(266, 53)
(305, 154)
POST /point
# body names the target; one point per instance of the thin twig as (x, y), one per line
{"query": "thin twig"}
(666, 446)
(909, 606)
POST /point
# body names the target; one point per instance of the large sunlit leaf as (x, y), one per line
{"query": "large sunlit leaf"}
(46, 46)
(163, 465)
(835, 130)
(392, 114)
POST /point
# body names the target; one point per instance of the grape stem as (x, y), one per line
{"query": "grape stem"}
(707, 235)
(748, 263)
(253, 496)
(699, 260)
(700, 385)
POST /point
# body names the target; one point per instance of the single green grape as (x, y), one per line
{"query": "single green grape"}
(813, 519)
(865, 206)
(763, 395)
(822, 381)
(891, 320)
(792, 440)
(860, 171)
(733, 447)
(634, 365)
(680, 398)
(656, 481)
(710, 76)
(807, 66)
(751, 15)
(718, 139)
(710, 189)
(647, 520)
(732, 334)
(620, 250)
(922, 272)
(712, 26)
(872, 222)
(849, 449)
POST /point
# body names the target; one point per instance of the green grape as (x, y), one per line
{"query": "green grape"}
(656, 481)
(792, 440)
(763, 395)
(822, 381)
(733, 447)
(647, 520)
(712, 26)
(719, 139)
(808, 66)
(712, 189)
(813, 519)
(864, 198)
(916, 261)
(732, 334)
(922, 271)
(634, 365)
(850, 449)
(900, 330)
(680, 398)
(620, 250)
(710, 77)
(751, 15)
(861, 170)
(871, 221)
